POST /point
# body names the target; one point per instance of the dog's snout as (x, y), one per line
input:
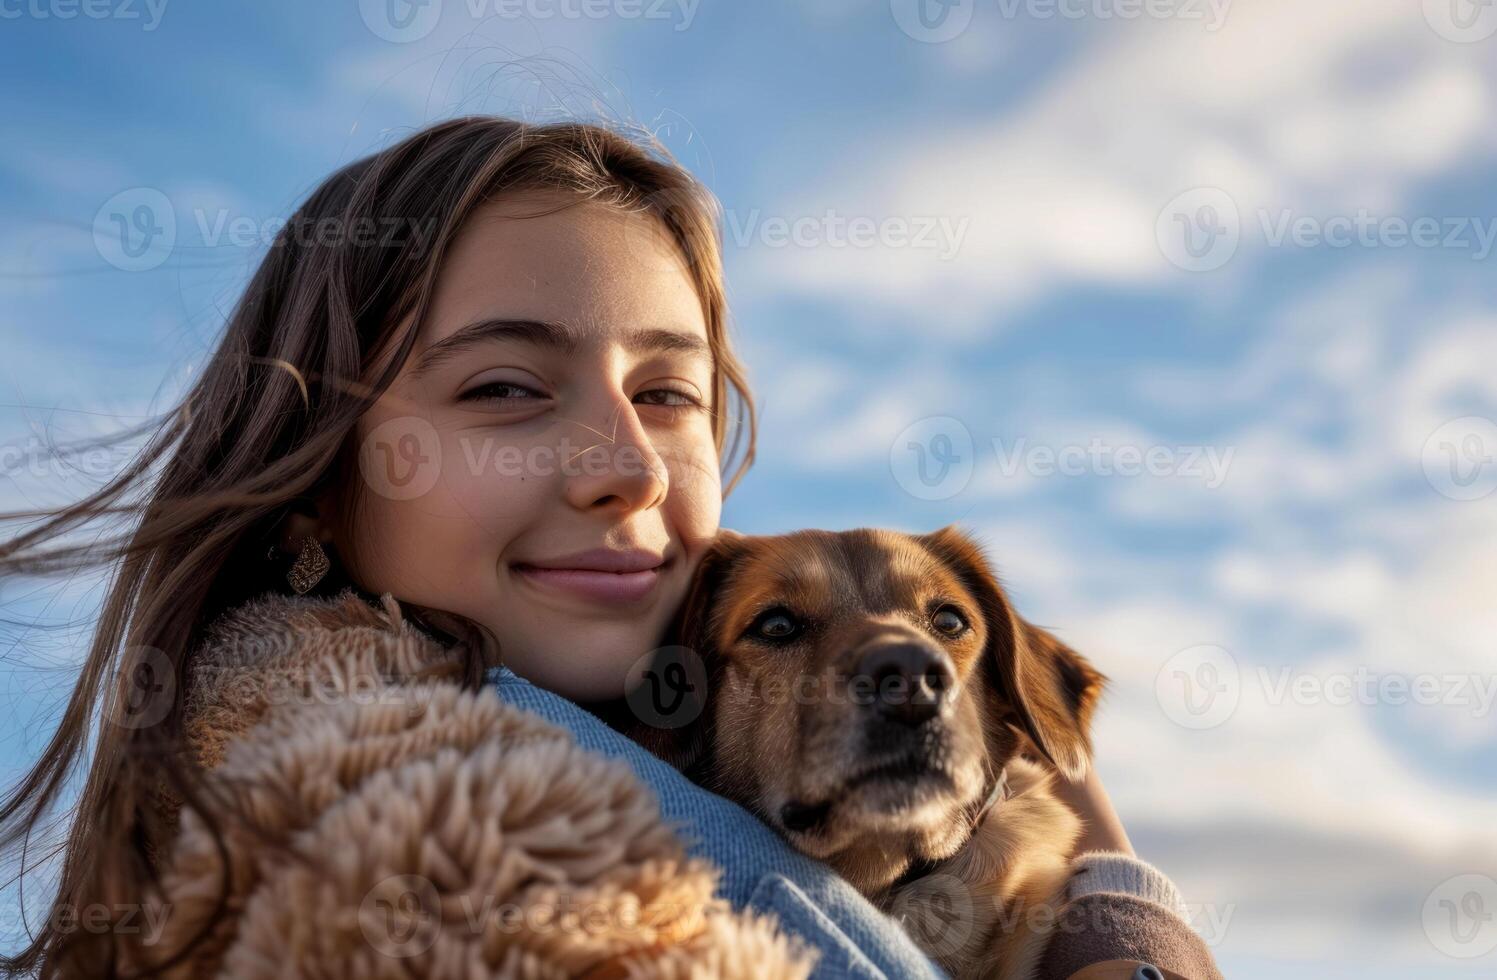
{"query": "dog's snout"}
(909, 681)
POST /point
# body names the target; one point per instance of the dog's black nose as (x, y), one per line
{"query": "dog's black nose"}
(909, 682)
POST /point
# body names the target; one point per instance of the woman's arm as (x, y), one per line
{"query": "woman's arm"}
(1102, 828)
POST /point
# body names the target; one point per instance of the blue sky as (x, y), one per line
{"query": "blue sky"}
(1254, 232)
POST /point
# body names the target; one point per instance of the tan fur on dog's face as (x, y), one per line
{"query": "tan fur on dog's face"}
(867, 687)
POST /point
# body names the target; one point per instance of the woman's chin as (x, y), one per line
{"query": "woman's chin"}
(583, 664)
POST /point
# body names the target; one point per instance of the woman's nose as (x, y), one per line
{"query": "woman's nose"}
(617, 466)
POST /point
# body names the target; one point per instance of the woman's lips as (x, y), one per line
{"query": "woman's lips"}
(630, 584)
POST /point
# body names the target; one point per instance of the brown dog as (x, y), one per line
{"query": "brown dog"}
(873, 697)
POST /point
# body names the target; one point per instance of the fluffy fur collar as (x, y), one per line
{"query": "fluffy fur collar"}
(378, 820)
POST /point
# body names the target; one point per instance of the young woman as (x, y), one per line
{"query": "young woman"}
(498, 431)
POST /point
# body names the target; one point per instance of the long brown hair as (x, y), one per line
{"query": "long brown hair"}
(263, 430)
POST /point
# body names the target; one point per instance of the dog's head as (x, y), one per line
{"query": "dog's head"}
(867, 689)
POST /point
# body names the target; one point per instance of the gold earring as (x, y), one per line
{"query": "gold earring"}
(310, 566)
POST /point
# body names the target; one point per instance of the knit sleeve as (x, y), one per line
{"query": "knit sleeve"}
(1098, 872)
(1122, 914)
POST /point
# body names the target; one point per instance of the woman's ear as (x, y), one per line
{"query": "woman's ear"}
(1051, 689)
(306, 518)
(690, 644)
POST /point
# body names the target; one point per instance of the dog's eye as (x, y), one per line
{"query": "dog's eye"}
(774, 624)
(947, 620)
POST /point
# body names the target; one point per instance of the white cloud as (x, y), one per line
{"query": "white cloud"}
(1281, 769)
(1455, 367)
(1274, 109)
(828, 415)
(1336, 562)
(382, 92)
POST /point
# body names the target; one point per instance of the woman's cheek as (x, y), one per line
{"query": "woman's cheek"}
(694, 502)
(495, 489)
(442, 548)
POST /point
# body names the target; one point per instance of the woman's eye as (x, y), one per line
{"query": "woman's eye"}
(499, 391)
(775, 624)
(510, 391)
(667, 397)
(949, 621)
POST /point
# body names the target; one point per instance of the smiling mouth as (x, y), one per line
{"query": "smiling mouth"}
(593, 584)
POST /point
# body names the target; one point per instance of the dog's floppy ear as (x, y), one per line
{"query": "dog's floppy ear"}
(1065, 690)
(1051, 688)
(693, 624)
(688, 745)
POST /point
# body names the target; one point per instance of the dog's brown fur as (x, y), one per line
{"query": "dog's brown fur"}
(789, 732)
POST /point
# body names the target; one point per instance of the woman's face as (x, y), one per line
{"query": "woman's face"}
(544, 463)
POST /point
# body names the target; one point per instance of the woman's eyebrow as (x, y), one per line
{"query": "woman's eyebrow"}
(558, 336)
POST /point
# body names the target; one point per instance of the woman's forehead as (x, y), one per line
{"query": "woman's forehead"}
(598, 272)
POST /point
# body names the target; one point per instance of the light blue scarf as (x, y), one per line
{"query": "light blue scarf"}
(760, 872)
